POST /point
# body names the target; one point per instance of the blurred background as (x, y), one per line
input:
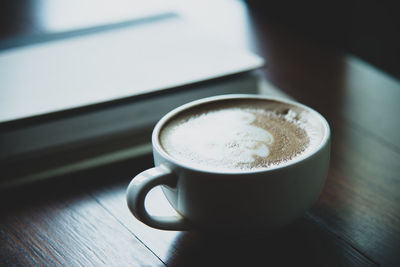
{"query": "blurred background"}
(85, 81)
(369, 29)
(104, 61)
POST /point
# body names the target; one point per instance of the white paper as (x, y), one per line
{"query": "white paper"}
(94, 68)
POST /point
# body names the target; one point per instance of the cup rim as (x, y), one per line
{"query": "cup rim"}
(157, 129)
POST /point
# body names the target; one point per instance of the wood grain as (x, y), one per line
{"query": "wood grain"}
(361, 196)
(356, 221)
(360, 199)
(45, 228)
(304, 241)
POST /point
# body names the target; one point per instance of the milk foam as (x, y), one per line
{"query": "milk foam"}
(237, 138)
(220, 135)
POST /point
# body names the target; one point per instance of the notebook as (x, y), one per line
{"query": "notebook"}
(84, 100)
(112, 64)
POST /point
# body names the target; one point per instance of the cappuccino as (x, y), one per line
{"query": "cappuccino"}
(240, 135)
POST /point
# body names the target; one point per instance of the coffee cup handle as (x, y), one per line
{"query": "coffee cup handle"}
(136, 195)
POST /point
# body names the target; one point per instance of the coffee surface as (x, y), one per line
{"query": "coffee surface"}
(239, 135)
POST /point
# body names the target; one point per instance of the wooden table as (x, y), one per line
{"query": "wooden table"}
(83, 220)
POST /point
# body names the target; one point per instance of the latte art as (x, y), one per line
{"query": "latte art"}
(221, 135)
(241, 136)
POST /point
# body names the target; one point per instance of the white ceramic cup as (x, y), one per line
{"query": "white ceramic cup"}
(248, 201)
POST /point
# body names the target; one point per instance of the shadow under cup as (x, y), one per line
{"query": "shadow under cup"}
(241, 201)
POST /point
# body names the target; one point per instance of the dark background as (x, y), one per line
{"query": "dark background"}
(83, 219)
(368, 29)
